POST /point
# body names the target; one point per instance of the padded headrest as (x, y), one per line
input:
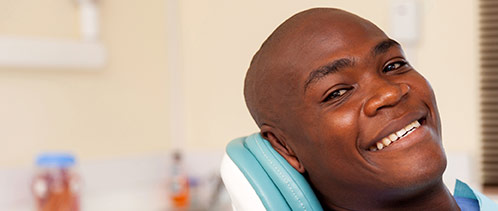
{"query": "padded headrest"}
(276, 182)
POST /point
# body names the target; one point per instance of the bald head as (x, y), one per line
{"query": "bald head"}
(328, 90)
(272, 85)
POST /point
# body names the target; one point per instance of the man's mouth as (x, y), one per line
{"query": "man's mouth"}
(394, 137)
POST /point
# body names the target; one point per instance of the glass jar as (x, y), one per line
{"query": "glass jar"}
(56, 183)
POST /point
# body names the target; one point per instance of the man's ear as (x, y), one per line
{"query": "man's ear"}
(278, 142)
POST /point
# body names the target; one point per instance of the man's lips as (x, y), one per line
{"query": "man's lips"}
(394, 126)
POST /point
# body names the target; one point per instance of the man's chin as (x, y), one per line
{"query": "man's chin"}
(417, 159)
(416, 174)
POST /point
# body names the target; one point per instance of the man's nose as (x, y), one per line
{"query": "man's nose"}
(385, 95)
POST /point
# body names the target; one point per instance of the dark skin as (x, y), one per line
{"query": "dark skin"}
(325, 87)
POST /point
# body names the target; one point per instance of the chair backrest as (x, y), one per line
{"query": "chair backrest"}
(258, 178)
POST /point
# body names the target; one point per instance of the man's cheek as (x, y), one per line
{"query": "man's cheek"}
(345, 122)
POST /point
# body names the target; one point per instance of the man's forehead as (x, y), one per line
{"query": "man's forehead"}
(320, 25)
(315, 40)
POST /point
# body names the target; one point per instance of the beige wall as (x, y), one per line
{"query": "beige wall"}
(220, 38)
(118, 110)
(448, 57)
(122, 109)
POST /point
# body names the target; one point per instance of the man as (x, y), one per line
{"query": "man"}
(339, 101)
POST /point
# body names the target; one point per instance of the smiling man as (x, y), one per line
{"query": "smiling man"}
(336, 97)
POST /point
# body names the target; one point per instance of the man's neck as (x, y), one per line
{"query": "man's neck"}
(436, 198)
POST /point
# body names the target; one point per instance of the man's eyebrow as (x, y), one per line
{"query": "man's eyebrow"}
(383, 47)
(337, 65)
(329, 68)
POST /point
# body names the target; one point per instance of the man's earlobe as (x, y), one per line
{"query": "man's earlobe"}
(278, 143)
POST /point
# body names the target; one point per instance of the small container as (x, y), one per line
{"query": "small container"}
(179, 187)
(56, 183)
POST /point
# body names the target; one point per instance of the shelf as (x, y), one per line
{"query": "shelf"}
(50, 53)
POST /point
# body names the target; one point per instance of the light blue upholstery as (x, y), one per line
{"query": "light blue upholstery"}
(278, 184)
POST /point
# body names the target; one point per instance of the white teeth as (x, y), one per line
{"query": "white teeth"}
(408, 132)
(401, 132)
(386, 141)
(393, 137)
(380, 145)
(409, 127)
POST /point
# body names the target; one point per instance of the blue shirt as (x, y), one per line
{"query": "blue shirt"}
(469, 199)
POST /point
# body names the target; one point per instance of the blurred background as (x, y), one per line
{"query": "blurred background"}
(122, 84)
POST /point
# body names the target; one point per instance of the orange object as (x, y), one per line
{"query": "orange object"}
(180, 196)
(179, 186)
(56, 184)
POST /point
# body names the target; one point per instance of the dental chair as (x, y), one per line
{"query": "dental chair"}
(258, 178)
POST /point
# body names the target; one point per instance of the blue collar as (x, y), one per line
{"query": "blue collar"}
(463, 190)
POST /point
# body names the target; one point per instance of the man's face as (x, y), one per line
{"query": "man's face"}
(354, 89)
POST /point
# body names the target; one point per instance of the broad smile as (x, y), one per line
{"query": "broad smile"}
(396, 131)
(396, 136)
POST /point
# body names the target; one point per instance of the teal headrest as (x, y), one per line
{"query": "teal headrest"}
(277, 183)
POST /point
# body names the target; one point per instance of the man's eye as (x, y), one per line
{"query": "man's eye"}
(394, 66)
(336, 94)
